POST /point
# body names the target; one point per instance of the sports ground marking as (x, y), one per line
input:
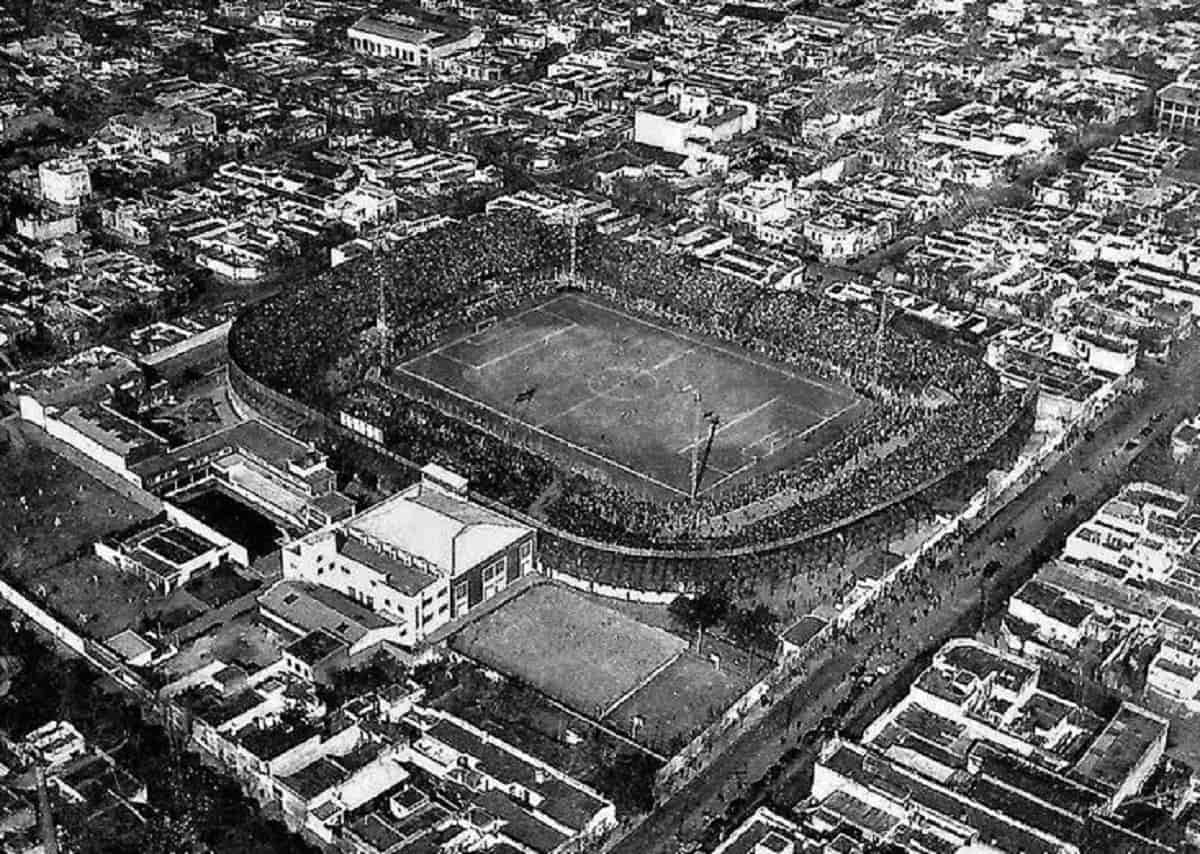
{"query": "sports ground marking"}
(646, 680)
(774, 450)
(726, 349)
(470, 401)
(675, 335)
(538, 342)
(733, 422)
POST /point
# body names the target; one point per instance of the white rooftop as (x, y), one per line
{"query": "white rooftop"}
(441, 528)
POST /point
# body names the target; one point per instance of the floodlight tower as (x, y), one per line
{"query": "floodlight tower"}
(695, 441)
(702, 440)
(571, 219)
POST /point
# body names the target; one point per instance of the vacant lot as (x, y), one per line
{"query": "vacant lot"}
(51, 514)
(243, 640)
(90, 594)
(51, 510)
(637, 399)
(577, 651)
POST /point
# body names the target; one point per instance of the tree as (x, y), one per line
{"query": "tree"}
(653, 195)
(701, 612)
(753, 626)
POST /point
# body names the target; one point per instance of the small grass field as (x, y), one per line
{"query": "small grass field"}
(581, 653)
(608, 665)
(678, 702)
(634, 399)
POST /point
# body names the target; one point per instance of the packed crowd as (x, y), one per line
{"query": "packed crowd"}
(935, 406)
(445, 276)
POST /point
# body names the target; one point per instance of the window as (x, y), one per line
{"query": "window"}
(495, 578)
(461, 605)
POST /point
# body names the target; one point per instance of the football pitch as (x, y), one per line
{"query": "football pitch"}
(585, 655)
(644, 403)
(639, 679)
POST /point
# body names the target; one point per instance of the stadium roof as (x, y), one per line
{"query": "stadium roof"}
(443, 530)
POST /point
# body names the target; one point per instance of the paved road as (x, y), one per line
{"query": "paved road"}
(1091, 472)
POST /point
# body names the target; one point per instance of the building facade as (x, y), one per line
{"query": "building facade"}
(421, 558)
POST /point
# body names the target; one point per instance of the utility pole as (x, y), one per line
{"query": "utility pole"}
(382, 328)
(983, 597)
(696, 447)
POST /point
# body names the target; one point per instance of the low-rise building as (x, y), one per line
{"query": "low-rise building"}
(304, 610)
(169, 549)
(980, 754)
(1177, 110)
(65, 181)
(412, 36)
(692, 122)
(288, 479)
(420, 558)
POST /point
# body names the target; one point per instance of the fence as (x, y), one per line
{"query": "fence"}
(96, 653)
(683, 568)
(749, 709)
(42, 618)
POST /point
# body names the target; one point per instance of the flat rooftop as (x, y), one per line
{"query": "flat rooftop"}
(1120, 747)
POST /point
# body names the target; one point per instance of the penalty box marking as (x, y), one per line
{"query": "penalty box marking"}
(477, 337)
(774, 447)
(536, 429)
(733, 422)
(727, 349)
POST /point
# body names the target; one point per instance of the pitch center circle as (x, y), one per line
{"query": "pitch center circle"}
(622, 384)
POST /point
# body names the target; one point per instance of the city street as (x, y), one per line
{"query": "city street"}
(1091, 472)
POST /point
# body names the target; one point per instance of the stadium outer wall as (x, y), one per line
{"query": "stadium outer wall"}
(660, 574)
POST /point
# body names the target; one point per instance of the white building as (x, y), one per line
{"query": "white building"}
(414, 37)
(691, 122)
(65, 181)
(420, 558)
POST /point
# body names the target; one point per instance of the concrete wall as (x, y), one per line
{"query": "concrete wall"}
(42, 617)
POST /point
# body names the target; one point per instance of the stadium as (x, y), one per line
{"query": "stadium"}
(659, 422)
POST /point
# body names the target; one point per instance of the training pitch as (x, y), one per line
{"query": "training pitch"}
(636, 399)
(578, 652)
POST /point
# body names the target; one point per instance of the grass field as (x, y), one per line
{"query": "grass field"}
(621, 393)
(93, 595)
(678, 702)
(51, 513)
(50, 510)
(570, 648)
